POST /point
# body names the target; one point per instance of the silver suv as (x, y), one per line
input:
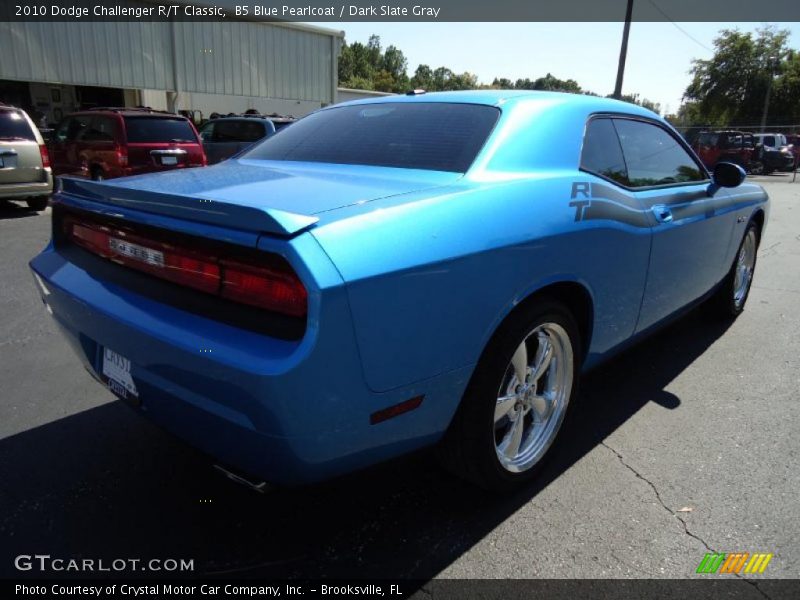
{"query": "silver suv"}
(25, 172)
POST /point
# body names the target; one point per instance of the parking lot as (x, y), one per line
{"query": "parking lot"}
(687, 444)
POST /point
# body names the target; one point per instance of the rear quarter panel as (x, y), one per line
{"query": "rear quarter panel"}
(430, 281)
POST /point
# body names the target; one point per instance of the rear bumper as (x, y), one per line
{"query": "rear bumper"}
(290, 412)
(27, 190)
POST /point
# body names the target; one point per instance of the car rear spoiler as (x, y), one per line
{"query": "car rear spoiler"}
(224, 214)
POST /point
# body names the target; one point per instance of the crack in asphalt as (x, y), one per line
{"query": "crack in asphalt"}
(676, 515)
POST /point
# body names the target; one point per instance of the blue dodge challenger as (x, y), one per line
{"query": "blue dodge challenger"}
(394, 273)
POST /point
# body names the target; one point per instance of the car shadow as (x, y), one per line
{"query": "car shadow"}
(106, 484)
(14, 210)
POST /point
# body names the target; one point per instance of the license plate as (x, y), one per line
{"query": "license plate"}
(117, 370)
(137, 252)
(169, 160)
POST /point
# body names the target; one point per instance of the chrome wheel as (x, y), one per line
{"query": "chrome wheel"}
(745, 265)
(533, 397)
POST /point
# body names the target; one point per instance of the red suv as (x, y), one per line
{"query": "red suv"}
(113, 142)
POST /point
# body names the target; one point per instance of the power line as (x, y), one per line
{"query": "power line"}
(678, 27)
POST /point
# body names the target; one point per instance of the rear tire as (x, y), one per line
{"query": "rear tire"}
(504, 430)
(37, 204)
(730, 298)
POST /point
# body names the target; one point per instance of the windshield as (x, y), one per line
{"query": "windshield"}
(159, 129)
(432, 136)
(14, 126)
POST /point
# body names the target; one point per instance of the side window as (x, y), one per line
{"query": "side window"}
(601, 153)
(653, 156)
(253, 131)
(101, 129)
(707, 139)
(228, 131)
(207, 132)
(62, 133)
(77, 127)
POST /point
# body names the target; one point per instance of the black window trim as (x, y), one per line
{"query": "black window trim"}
(681, 142)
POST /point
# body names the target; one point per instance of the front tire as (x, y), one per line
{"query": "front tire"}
(735, 288)
(37, 204)
(518, 399)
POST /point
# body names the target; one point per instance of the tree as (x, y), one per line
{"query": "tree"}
(502, 83)
(423, 78)
(731, 86)
(554, 84)
(644, 102)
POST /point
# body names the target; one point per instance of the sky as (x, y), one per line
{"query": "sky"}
(659, 54)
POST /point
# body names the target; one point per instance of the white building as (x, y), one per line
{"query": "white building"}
(226, 66)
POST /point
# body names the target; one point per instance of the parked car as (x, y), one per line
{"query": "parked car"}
(104, 143)
(793, 140)
(737, 147)
(774, 152)
(281, 121)
(25, 172)
(394, 273)
(224, 137)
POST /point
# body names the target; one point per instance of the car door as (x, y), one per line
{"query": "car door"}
(692, 220)
(225, 140)
(707, 148)
(66, 146)
(58, 147)
(98, 147)
(207, 137)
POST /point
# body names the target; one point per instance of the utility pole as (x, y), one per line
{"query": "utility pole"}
(623, 51)
(771, 64)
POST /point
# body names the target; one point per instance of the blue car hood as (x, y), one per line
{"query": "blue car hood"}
(267, 196)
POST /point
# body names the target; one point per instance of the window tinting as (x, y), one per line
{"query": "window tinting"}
(653, 156)
(14, 126)
(238, 131)
(434, 136)
(158, 129)
(708, 139)
(101, 129)
(207, 132)
(73, 128)
(601, 151)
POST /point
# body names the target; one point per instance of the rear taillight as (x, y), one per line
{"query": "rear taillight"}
(122, 156)
(273, 288)
(45, 155)
(268, 288)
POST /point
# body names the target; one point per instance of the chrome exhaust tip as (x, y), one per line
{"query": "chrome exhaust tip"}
(262, 487)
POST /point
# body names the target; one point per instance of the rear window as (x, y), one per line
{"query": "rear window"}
(14, 126)
(432, 136)
(238, 131)
(158, 129)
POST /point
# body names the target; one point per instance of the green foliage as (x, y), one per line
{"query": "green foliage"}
(643, 102)
(369, 67)
(730, 88)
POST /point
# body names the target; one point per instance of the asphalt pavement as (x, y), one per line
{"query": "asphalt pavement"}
(685, 445)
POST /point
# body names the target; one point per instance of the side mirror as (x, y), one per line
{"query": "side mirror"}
(728, 175)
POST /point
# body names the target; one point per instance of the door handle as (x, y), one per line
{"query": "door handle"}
(662, 213)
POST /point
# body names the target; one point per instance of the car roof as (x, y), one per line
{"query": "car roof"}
(499, 98)
(8, 107)
(128, 113)
(249, 118)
